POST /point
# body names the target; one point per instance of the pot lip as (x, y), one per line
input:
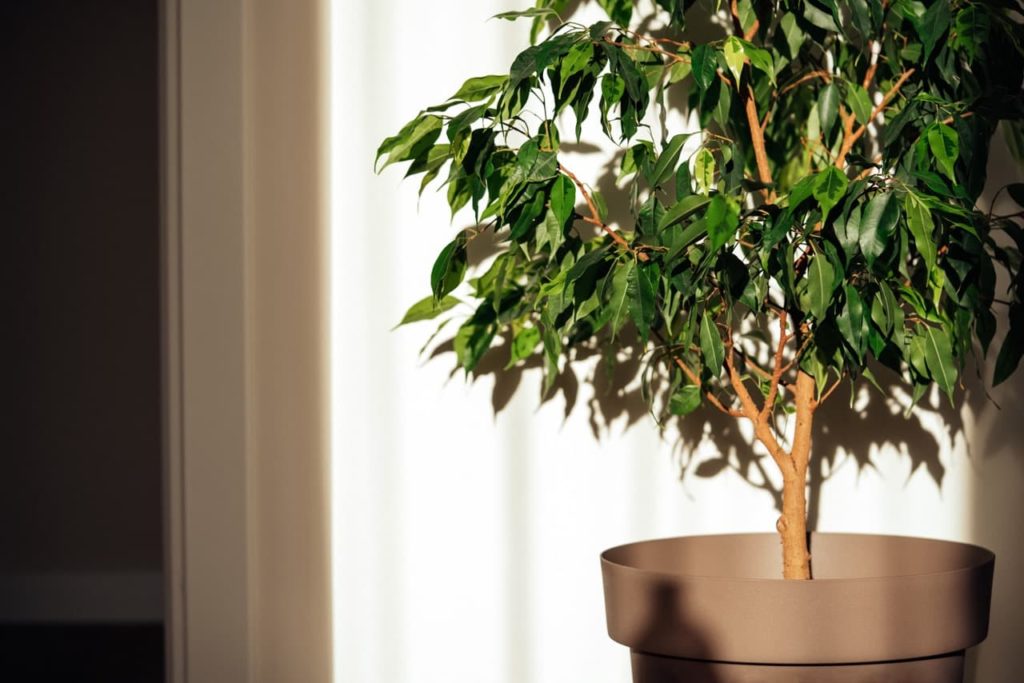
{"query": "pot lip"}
(984, 557)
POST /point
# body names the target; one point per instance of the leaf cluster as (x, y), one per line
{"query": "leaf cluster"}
(831, 186)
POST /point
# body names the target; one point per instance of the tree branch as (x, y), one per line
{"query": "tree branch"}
(595, 216)
(849, 140)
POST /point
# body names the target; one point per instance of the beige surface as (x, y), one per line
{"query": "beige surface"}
(246, 449)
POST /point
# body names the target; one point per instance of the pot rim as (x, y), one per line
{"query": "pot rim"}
(981, 557)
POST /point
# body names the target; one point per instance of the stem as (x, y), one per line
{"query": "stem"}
(792, 525)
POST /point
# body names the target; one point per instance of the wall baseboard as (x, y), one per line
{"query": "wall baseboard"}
(136, 597)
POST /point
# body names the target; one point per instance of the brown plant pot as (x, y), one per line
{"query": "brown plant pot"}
(714, 609)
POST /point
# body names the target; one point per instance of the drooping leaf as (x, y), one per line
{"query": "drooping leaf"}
(685, 400)
(480, 88)
(932, 25)
(859, 101)
(820, 285)
(623, 286)
(938, 356)
(877, 222)
(1013, 346)
(523, 345)
(563, 198)
(734, 58)
(828, 108)
(704, 170)
(711, 346)
(703, 65)
(427, 308)
(829, 188)
(449, 268)
(919, 220)
(945, 147)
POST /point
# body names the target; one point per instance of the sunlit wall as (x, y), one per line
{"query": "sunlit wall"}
(465, 541)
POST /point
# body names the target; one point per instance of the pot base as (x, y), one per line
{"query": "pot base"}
(648, 668)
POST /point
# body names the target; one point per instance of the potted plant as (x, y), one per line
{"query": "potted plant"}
(816, 227)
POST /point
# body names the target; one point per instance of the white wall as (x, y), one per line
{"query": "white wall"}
(466, 542)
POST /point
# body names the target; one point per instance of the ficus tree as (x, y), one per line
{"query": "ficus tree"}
(817, 226)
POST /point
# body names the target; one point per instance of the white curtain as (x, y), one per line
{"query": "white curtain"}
(465, 542)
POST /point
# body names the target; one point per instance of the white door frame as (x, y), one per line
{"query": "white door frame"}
(245, 348)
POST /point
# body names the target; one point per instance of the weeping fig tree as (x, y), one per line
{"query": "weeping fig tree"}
(817, 225)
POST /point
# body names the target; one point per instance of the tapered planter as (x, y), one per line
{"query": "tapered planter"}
(881, 609)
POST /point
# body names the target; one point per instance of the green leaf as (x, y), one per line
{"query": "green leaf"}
(932, 25)
(945, 147)
(938, 356)
(795, 38)
(703, 65)
(851, 321)
(829, 188)
(722, 219)
(1013, 346)
(681, 209)
(417, 136)
(734, 57)
(877, 222)
(820, 285)
(563, 198)
(644, 291)
(919, 220)
(761, 60)
(427, 308)
(480, 88)
(685, 400)
(828, 108)
(523, 345)
(449, 268)
(666, 165)
(711, 346)
(622, 281)
(704, 170)
(619, 11)
(859, 101)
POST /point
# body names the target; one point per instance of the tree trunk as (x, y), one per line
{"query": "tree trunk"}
(796, 559)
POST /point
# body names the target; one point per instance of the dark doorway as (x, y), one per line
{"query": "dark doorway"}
(80, 471)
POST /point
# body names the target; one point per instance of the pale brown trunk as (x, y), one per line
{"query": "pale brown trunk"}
(796, 559)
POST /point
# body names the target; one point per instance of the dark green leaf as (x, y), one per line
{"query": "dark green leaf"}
(919, 220)
(449, 268)
(932, 25)
(685, 400)
(623, 286)
(563, 198)
(703, 65)
(828, 108)
(711, 346)
(938, 356)
(945, 146)
(876, 226)
(1013, 346)
(820, 285)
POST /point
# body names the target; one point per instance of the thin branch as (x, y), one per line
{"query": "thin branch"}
(777, 368)
(810, 76)
(695, 379)
(595, 216)
(828, 392)
(849, 140)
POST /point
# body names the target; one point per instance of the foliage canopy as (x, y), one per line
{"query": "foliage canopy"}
(828, 187)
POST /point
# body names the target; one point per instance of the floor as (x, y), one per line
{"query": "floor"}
(122, 653)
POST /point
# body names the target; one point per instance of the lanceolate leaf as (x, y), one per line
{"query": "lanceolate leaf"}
(877, 221)
(704, 170)
(686, 400)
(427, 308)
(623, 286)
(919, 219)
(828, 108)
(480, 88)
(563, 198)
(703, 61)
(938, 355)
(711, 346)
(449, 268)
(1013, 346)
(734, 57)
(820, 285)
(945, 147)
(932, 25)
(829, 188)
